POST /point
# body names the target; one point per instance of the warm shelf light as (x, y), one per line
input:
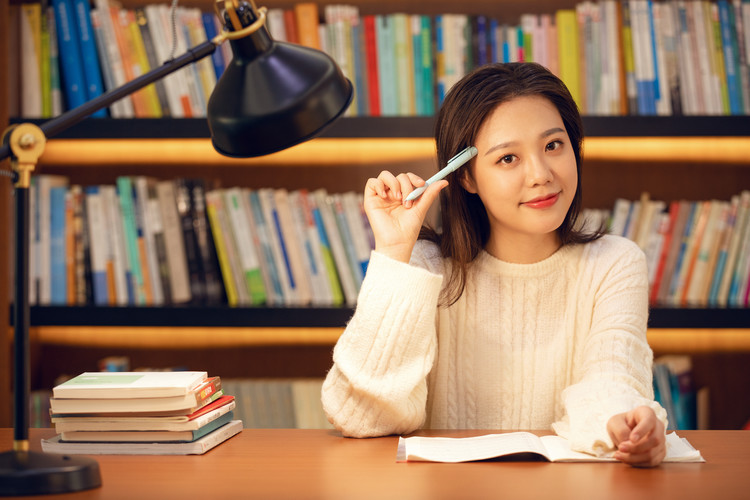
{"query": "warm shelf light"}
(332, 152)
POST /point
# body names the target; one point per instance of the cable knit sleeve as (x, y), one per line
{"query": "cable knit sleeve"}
(613, 365)
(378, 383)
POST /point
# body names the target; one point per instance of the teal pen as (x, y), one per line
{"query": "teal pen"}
(453, 164)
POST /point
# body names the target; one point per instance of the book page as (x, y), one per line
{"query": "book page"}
(439, 449)
(552, 447)
(559, 451)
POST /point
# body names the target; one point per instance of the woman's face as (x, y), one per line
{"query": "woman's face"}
(525, 173)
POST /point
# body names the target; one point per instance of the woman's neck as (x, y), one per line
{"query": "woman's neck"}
(523, 249)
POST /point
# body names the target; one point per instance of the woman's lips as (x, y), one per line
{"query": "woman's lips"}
(542, 201)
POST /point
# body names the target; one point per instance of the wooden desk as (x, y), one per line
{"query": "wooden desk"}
(319, 464)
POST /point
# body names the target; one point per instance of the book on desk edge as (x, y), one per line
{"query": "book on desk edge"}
(138, 422)
(200, 396)
(551, 447)
(150, 436)
(197, 447)
(120, 385)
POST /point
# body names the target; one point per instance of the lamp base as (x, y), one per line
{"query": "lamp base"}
(35, 473)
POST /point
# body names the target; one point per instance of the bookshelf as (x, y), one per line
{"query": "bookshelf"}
(671, 157)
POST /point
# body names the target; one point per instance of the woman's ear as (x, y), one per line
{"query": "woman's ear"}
(467, 181)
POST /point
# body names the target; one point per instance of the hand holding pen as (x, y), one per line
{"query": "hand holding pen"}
(395, 220)
(453, 165)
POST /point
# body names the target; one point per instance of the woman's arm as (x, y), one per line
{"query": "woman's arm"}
(616, 361)
(378, 383)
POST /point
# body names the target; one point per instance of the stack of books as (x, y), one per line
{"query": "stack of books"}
(141, 413)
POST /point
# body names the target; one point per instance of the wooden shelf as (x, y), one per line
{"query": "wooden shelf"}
(411, 127)
(661, 340)
(314, 317)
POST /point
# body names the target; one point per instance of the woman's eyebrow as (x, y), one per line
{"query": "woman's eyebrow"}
(503, 145)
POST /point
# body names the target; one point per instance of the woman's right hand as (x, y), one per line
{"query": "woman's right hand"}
(396, 223)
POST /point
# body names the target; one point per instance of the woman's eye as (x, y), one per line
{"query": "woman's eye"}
(507, 159)
(553, 145)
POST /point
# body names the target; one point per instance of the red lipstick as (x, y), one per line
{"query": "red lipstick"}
(543, 201)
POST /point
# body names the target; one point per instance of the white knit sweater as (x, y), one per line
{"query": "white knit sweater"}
(559, 344)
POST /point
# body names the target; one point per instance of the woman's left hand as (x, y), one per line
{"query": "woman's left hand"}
(639, 437)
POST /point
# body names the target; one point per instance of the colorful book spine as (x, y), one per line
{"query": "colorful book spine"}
(89, 54)
(71, 62)
(130, 227)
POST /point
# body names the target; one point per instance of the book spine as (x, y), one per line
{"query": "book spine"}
(125, 194)
(94, 213)
(70, 54)
(89, 54)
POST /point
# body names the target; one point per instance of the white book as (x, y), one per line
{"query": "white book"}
(198, 447)
(196, 35)
(236, 211)
(354, 213)
(664, 102)
(179, 281)
(706, 73)
(612, 57)
(337, 207)
(620, 212)
(180, 423)
(307, 219)
(116, 385)
(262, 241)
(275, 24)
(101, 16)
(310, 246)
(292, 243)
(116, 242)
(690, 93)
(177, 91)
(45, 183)
(325, 206)
(98, 245)
(146, 223)
(196, 90)
(270, 215)
(552, 447)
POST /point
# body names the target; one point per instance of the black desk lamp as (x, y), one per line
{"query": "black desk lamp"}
(271, 96)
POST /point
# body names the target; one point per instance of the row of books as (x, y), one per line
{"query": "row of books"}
(284, 403)
(70, 53)
(676, 391)
(165, 412)
(617, 57)
(156, 242)
(698, 252)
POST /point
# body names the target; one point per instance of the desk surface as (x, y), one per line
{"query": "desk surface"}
(302, 464)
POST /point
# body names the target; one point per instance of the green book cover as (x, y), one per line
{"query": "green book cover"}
(125, 194)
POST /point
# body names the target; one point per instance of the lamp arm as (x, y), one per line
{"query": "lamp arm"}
(75, 115)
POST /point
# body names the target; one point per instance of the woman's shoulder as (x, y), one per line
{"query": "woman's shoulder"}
(611, 249)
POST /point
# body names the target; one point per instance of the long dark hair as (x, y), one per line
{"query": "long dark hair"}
(465, 225)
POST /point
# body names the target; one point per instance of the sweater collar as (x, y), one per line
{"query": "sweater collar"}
(485, 262)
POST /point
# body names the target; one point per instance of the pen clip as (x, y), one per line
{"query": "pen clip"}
(457, 155)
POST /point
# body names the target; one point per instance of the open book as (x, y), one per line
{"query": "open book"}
(553, 448)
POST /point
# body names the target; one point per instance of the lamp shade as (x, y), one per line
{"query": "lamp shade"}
(273, 95)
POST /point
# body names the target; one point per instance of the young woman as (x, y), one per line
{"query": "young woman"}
(513, 317)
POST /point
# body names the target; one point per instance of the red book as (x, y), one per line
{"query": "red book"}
(290, 25)
(674, 208)
(371, 54)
